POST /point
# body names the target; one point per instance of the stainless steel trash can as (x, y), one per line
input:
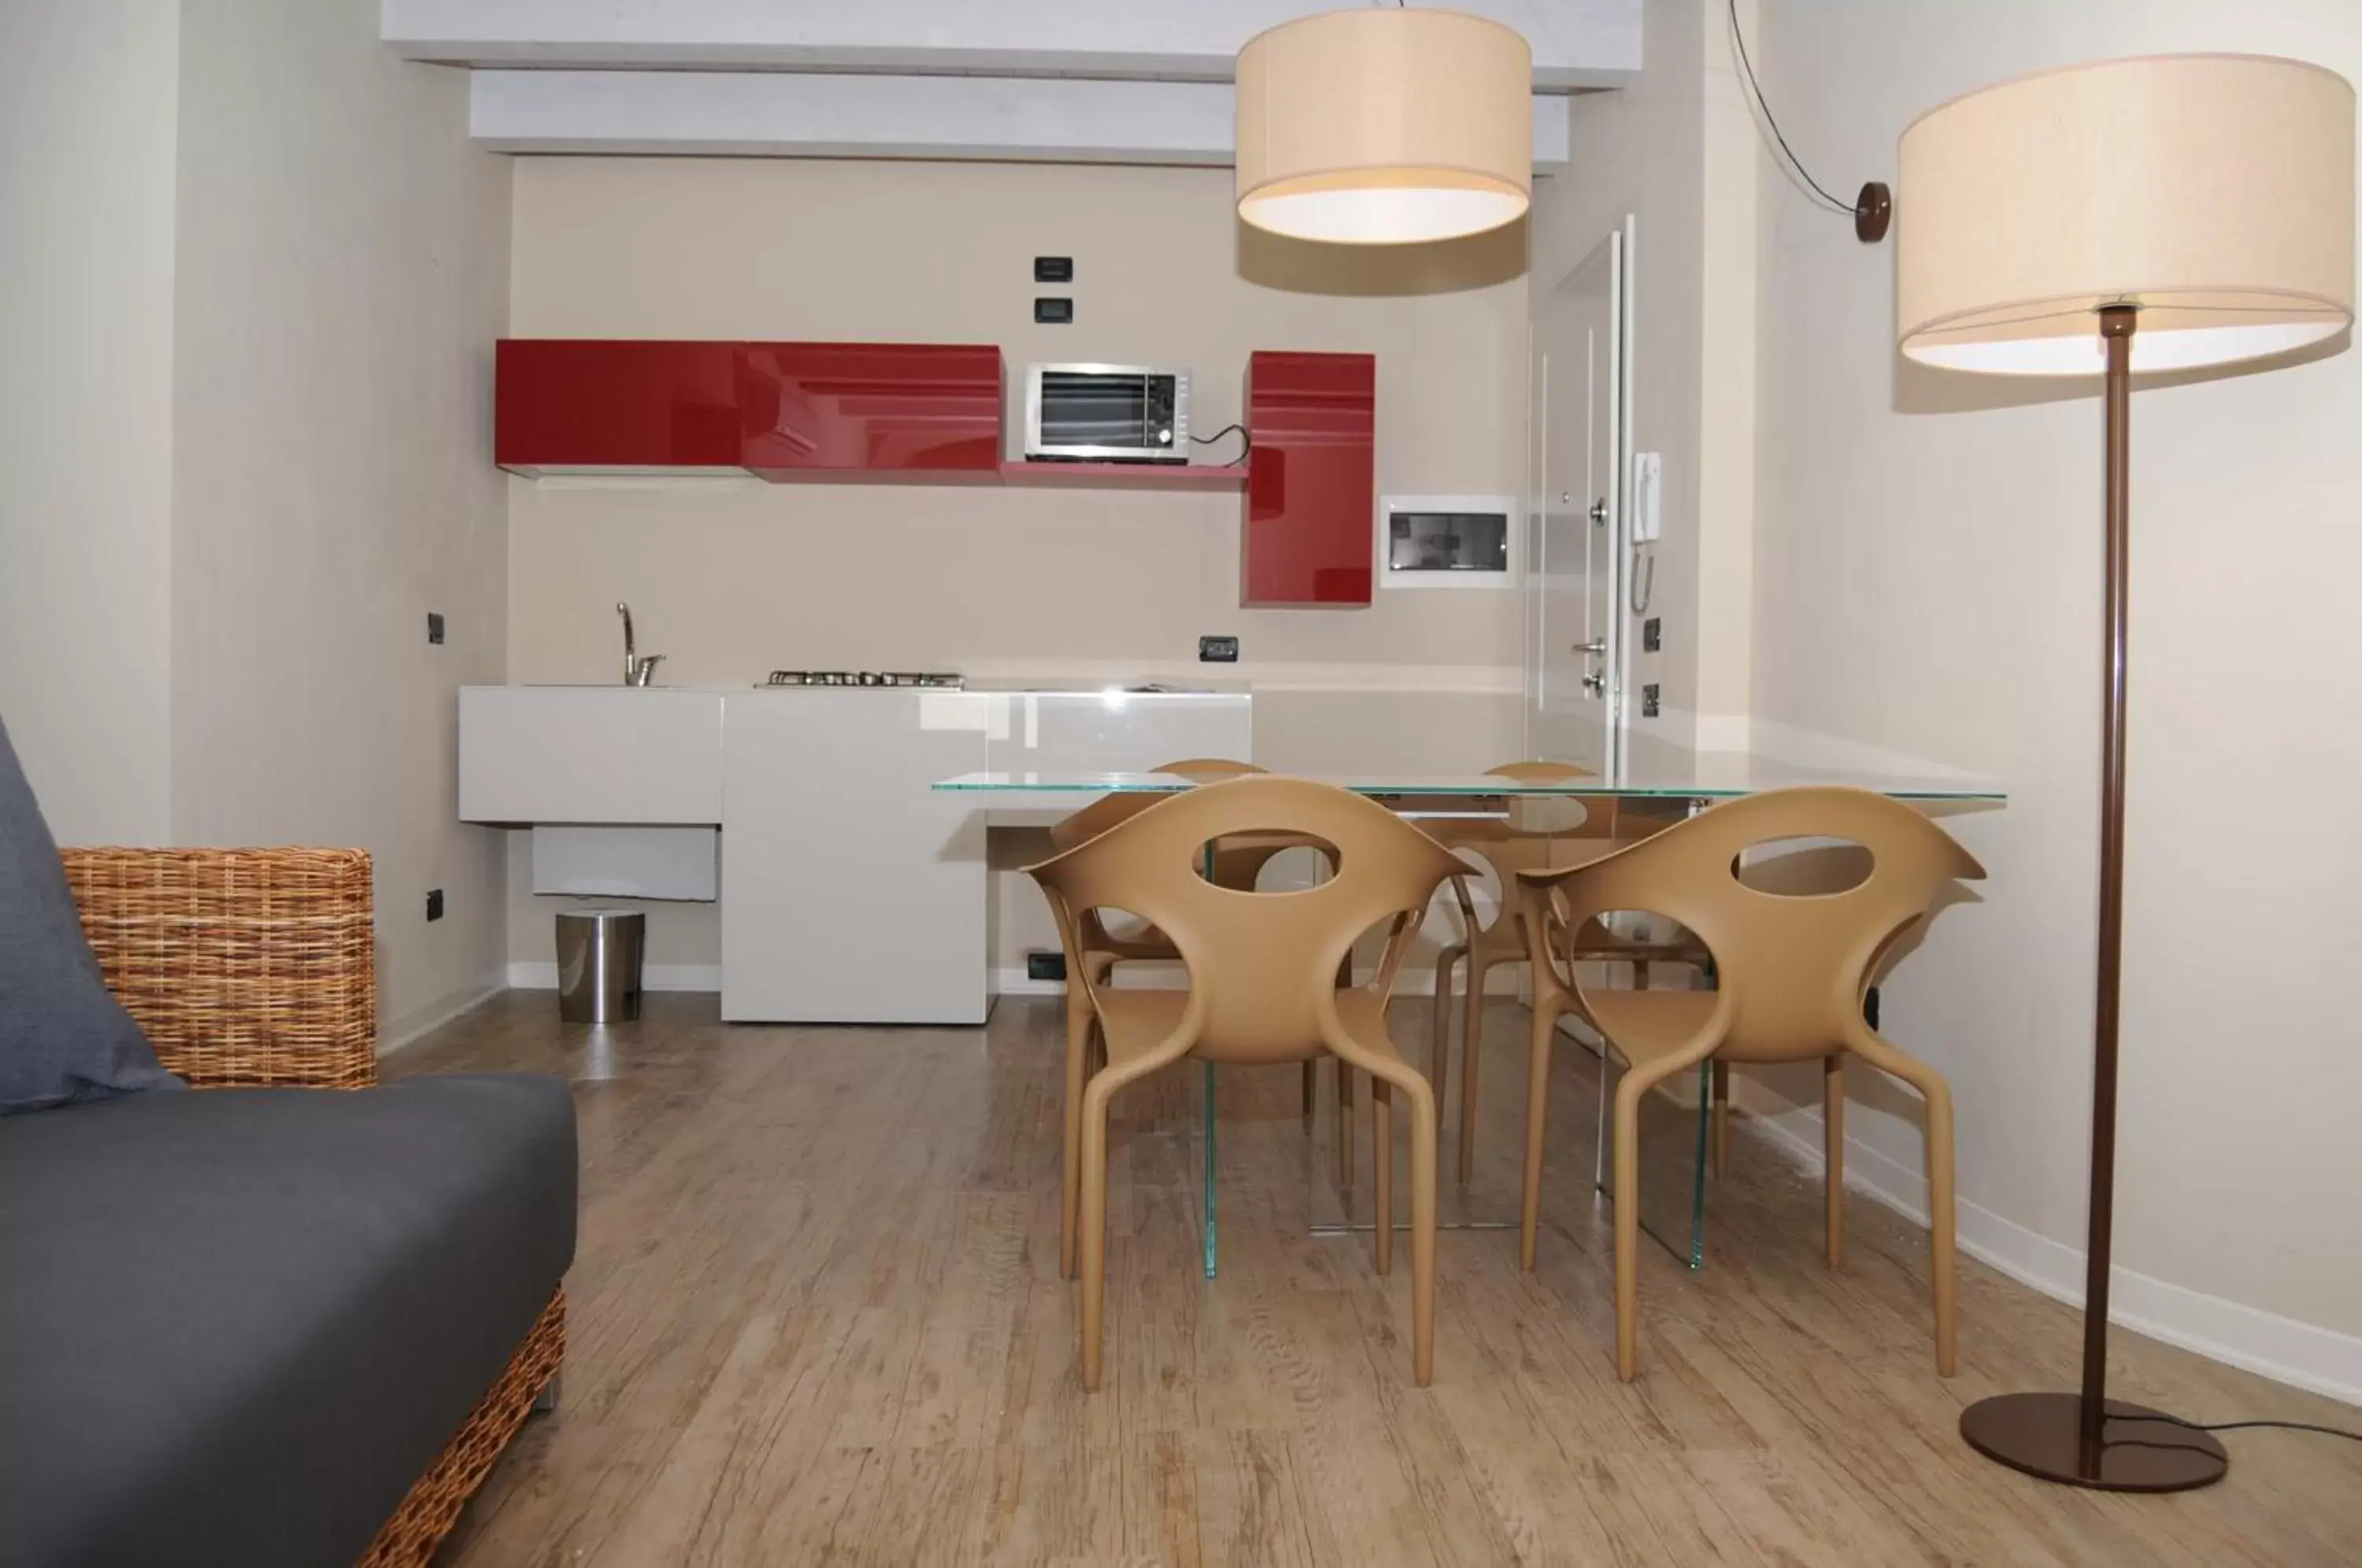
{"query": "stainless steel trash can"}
(598, 964)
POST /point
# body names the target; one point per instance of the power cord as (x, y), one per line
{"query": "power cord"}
(2244, 1425)
(1246, 443)
(1872, 211)
(1755, 90)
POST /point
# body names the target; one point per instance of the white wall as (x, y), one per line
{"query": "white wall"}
(342, 275)
(87, 107)
(733, 578)
(1676, 152)
(1928, 579)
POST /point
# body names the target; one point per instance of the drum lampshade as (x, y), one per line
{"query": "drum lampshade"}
(2213, 192)
(1385, 126)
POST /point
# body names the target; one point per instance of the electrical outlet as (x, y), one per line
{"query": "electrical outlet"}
(1045, 965)
(1218, 650)
(434, 625)
(1053, 311)
(1652, 634)
(1649, 701)
(434, 903)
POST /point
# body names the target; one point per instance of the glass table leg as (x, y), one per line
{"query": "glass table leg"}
(1692, 1250)
(1209, 1170)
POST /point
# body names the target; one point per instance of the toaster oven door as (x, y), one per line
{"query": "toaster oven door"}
(1106, 412)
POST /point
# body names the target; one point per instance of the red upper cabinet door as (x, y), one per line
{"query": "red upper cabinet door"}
(579, 405)
(1311, 479)
(832, 410)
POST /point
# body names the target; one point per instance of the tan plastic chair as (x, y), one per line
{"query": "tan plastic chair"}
(1263, 983)
(1791, 971)
(1551, 839)
(1238, 862)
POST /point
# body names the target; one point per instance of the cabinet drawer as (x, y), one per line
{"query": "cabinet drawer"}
(588, 754)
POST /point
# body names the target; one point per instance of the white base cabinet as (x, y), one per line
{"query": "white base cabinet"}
(850, 893)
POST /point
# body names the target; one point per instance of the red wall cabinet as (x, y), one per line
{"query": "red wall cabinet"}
(1311, 500)
(821, 410)
(781, 410)
(578, 405)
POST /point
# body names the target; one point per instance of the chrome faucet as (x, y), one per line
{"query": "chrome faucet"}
(637, 671)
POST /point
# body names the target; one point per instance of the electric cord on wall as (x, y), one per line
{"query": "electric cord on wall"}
(1246, 443)
(1755, 91)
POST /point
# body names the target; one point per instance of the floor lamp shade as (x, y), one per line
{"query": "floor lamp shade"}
(1385, 126)
(2214, 192)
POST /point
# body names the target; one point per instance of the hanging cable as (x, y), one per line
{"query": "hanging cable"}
(1869, 211)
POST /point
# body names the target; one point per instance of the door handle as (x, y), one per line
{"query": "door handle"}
(1599, 512)
(1597, 646)
(1596, 683)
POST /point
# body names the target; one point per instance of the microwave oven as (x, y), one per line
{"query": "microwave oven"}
(1103, 414)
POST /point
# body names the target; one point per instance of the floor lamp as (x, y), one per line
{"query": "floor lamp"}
(2176, 213)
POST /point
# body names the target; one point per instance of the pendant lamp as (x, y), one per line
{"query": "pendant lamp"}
(1385, 126)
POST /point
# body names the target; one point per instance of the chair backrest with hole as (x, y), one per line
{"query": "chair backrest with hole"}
(1792, 966)
(1557, 813)
(1542, 833)
(1206, 769)
(1262, 965)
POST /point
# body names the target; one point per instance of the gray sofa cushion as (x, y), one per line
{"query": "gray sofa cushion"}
(237, 1324)
(64, 1036)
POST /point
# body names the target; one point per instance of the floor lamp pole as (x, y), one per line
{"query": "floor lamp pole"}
(2085, 1438)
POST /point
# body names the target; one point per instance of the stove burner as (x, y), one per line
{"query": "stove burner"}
(935, 681)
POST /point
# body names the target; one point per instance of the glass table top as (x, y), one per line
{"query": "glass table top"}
(1706, 776)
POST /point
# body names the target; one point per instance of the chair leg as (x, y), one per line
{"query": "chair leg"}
(1942, 1221)
(1094, 1222)
(1080, 1035)
(1537, 1065)
(1422, 1244)
(1721, 1141)
(1439, 1054)
(1833, 1102)
(1941, 1238)
(1382, 1165)
(1397, 1076)
(1471, 1047)
(1311, 1088)
(1344, 1122)
(1627, 1225)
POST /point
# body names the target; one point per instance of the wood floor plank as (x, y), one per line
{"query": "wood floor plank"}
(816, 1318)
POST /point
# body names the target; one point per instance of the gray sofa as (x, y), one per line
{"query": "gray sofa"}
(254, 1311)
(239, 1324)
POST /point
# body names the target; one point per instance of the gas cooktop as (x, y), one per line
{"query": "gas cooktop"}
(935, 681)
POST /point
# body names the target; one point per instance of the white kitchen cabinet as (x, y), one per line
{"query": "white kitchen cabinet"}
(850, 891)
(589, 753)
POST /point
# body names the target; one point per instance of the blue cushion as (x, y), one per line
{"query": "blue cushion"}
(63, 1037)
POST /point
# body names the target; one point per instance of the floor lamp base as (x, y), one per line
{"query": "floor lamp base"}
(2141, 1450)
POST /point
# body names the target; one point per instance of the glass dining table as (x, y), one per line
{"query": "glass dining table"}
(1679, 782)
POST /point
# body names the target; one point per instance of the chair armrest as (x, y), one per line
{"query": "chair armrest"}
(243, 966)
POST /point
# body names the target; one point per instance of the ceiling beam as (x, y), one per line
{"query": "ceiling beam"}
(1578, 44)
(777, 114)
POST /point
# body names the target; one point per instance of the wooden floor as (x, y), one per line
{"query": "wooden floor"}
(817, 1318)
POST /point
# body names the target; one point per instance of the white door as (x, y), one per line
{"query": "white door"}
(1576, 450)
